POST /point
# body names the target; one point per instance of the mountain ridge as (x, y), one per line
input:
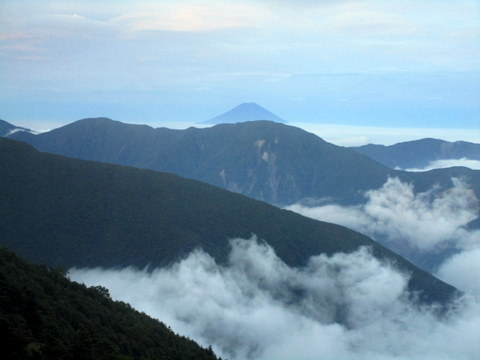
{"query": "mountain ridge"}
(419, 153)
(66, 212)
(243, 157)
(272, 162)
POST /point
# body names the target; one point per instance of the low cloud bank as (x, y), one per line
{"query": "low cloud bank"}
(346, 306)
(431, 225)
(447, 163)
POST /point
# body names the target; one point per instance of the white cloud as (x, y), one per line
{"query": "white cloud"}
(257, 307)
(410, 222)
(463, 270)
(428, 228)
(446, 163)
(188, 16)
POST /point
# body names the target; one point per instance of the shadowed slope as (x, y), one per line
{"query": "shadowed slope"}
(62, 211)
(43, 315)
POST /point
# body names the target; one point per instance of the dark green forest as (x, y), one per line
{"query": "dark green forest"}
(43, 315)
(60, 211)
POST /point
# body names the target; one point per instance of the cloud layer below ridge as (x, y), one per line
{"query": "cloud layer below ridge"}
(347, 306)
(429, 228)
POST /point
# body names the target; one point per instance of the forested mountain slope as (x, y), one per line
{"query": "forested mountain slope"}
(61, 211)
(273, 162)
(43, 315)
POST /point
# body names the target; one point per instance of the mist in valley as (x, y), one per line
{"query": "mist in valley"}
(431, 228)
(346, 306)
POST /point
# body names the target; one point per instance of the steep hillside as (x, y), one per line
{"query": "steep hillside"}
(61, 211)
(419, 153)
(268, 161)
(43, 315)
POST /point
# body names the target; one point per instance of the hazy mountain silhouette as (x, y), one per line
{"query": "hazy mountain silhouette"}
(61, 211)
(244, 112)
(268, 161)
(419, 153)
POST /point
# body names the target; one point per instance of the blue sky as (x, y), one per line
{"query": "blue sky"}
(404, 64)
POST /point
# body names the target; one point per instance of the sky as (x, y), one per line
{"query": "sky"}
(362, 64)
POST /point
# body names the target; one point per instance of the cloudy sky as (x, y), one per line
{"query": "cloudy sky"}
(403, 64)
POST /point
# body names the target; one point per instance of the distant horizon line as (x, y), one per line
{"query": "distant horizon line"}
(336, 133)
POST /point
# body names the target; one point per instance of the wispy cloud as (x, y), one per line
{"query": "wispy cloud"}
(372, 23)
(14, 35)
(97, 45)
(21, 48)
(186, 16)
(446, 163)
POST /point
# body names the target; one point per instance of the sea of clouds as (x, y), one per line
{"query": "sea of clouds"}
(427, 225)
(345, 306)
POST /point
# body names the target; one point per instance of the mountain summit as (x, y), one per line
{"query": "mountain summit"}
(245, 112)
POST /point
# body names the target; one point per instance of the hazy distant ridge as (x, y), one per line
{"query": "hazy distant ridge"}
(244, 112)
(419, 153)
(265, 160)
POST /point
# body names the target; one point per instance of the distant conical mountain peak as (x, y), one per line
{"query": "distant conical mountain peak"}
(245, 112)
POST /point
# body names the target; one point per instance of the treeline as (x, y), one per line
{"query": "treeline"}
(43, 315)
